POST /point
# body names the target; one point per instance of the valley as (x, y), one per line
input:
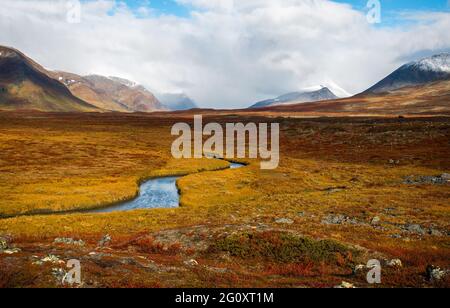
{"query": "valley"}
(348, 190)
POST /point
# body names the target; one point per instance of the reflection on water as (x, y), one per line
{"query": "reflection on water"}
(155, 193)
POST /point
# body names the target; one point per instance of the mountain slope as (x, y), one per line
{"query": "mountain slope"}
(110, 93)
(177, 101)
(24, 84)
(322, 94)
(428, 99)
(435, 68)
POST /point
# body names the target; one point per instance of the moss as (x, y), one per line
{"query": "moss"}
(282, 247)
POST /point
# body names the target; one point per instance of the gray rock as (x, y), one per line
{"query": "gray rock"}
(68, 241)
(11, 251)
(415, 228)
(334, 219)
(435, 273)
(345, 285)
(285, 221)
(435, 232)
(394, 263)
(3, 243)
(431, 180)
(445, 176)
(105, 240)
(375, 221)
(191, 262)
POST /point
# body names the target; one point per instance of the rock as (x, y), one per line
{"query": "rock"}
(59, 274)
(11, 251)
(3, 243)
(431, 180)
(105, 240)
(191, 262)
(445, 176)
(285, 221)
(359, 268)
(415, 228)
(345, 285)
(435, 232)
(394, 263)
(69, 241)
(375, 221)
(435, 273)
(49, 259)
(334, 219)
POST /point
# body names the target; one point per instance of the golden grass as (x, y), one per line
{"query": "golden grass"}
(73, 162)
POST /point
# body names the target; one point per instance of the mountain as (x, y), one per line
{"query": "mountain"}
(25, 85)
(321, 94)
(431, 69)
(110, 93)
(427, 99)
(177, 101)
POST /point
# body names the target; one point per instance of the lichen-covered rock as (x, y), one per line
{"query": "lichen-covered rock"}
(435, 273)
(394, 263)
(285, 221)
(105, 240)
(345, 285)
(69, 241)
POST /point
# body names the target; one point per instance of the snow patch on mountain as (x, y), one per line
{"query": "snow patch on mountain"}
(436, 63)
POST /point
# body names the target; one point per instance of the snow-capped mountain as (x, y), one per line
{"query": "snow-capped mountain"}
(415, 73)
(313, 94)
(177, 101)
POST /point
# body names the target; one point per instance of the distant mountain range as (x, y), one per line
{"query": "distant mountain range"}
(177, 101)
(307, 96)
(431, 69)
(25, 85)
(110, 93)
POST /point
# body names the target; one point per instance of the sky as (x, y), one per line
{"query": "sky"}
(228, 53)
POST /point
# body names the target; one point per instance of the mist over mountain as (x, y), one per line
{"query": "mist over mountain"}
(177, 101)
(307, 96)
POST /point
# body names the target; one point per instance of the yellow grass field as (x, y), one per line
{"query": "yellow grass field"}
(309, 222)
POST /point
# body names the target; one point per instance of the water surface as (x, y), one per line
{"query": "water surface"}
(153, 194)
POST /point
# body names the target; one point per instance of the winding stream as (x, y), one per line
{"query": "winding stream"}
(153, 194)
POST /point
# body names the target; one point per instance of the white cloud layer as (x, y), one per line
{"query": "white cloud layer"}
(229, 53)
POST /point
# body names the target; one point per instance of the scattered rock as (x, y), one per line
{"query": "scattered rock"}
(435, 273)
(375, 221)
(105, 240)
(191, 262)
(345, 285)
(3, 243)
(394, 263)
(425, 179)
(339, 220)
(59, 274)
(334, 219)
(359, 268)
(285, 221)
(415, 228)
(435, 232)
(10, 251)
(68, 241)
(332, 190)
(394, 162)
(49, 259)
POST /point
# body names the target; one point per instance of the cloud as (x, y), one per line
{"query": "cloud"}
(227, 53)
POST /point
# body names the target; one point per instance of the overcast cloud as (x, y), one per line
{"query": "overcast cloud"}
(227, 53)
